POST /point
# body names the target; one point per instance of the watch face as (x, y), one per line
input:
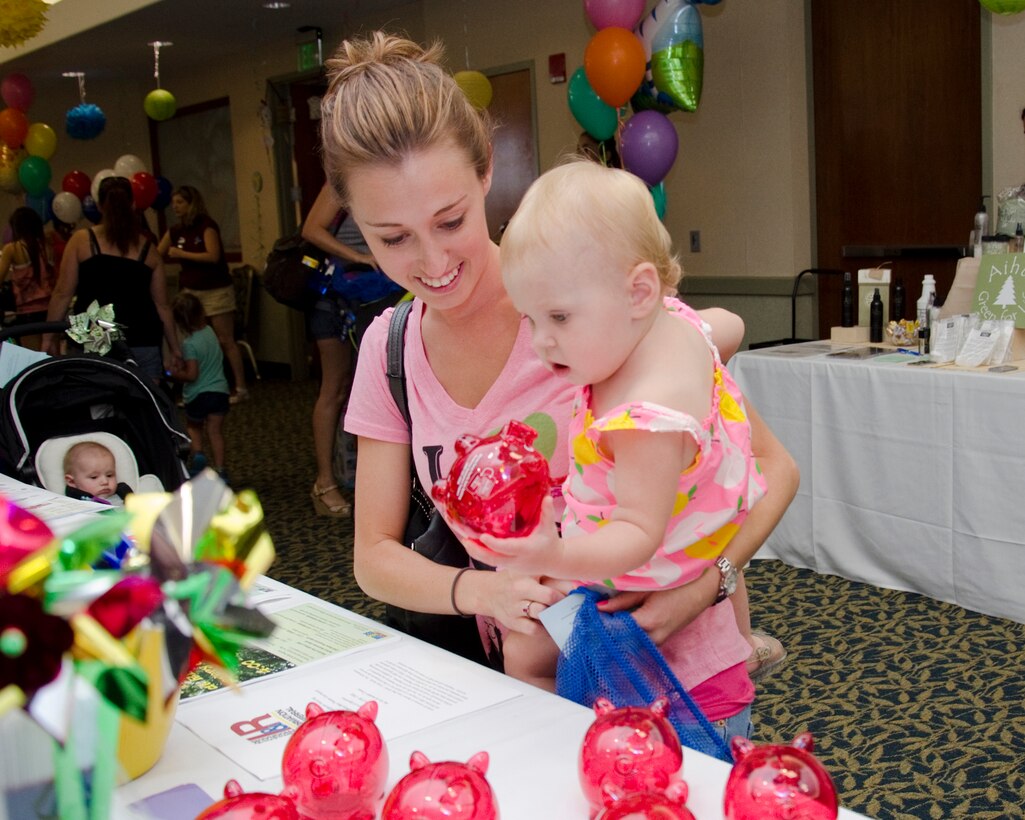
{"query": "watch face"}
(729, 582)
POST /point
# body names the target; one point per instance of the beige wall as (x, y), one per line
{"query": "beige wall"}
(742, 176)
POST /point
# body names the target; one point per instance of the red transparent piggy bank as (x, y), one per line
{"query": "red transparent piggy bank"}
(442, 791)
(632, 749)
(646, 805)
(237, 805)
(335, 765)
(496, 484)
(775, 782)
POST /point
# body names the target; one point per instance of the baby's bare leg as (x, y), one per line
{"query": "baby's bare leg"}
(531, 658)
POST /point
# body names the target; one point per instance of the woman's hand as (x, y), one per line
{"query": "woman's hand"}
(660, 614)
(534, 553)
(513, 599)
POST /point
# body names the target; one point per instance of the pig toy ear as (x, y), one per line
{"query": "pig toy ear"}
(417, 760)
(232, 788)
(479, 762)
(660, 707)
(742, 747)
(805, 742)
(313, 710)
(602, 706)
(678, 792)
(368, 710)
(465, 443)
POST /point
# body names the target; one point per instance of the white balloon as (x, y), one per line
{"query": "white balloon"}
(128, 165)
(100, 176)
(67, 207)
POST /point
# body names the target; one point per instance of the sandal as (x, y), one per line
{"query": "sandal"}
(321, 507)
(768, 655)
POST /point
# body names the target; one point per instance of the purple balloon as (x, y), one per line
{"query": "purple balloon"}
(649, 145)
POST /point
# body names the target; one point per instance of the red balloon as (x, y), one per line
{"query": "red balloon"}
(144, 189)
(77, 183)
(614, 63)
(13, 127)
(17, 91)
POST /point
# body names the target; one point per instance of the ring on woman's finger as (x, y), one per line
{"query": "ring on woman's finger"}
(526, 608)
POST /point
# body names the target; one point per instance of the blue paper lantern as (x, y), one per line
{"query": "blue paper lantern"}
(85, 121)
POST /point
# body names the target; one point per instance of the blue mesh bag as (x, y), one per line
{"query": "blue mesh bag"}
(608, 655)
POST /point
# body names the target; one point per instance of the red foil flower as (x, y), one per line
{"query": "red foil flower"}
(32, 643)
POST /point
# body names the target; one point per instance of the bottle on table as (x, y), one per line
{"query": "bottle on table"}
(899, 297)
(924, 308)
(847, 302)
(876, 318)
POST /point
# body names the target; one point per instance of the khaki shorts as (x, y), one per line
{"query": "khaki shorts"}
(216, 301)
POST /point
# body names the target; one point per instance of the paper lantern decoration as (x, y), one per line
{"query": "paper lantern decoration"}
(596, 117)
(1003, 6)
(160, 104)
(609, 13)
(85, 121)
(496, 484)
(777, 782)
(634, 749)
(336, 764)
(17, 91)
(13, 127)
(41, 141)
(614, 62)
(77, 183)
(476, 87)
(442, 791)
(648, 146)
(22, 20)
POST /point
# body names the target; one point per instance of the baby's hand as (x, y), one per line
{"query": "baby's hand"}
(536, 553)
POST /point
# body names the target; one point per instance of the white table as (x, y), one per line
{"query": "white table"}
(532, 739)
(911, 477)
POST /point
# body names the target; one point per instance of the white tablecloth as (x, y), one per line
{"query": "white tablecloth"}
(911, 477)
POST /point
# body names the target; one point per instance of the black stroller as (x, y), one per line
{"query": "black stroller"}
(88, 394)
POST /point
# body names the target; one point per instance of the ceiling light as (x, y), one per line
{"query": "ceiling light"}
(277, 4)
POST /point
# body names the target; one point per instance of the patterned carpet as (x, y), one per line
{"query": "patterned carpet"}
(917, 707)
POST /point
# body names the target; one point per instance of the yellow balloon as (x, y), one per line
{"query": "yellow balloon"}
(475, 86)
(41, 141)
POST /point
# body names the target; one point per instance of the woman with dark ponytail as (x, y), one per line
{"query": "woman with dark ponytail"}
(27, 261)
(114, 263)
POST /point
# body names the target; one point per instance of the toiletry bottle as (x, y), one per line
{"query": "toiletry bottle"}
(898, 301)
(1019, 240)
(981, 227)
(847, 302)
(923, 307)
(876, 315)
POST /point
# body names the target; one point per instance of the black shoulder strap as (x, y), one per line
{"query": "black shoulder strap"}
(396, 367)
(94, 243)
(145, 251)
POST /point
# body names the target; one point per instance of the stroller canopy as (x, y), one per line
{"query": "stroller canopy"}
(82, 394)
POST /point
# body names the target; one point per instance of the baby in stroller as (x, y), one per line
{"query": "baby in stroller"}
(90, 474)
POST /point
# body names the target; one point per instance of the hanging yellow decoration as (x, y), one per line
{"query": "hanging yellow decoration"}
(21, 20)
(475, 86)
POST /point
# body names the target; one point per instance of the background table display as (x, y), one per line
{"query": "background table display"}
(912, 477)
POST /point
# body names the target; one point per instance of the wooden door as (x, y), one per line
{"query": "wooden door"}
(515, 145)
(898, 138)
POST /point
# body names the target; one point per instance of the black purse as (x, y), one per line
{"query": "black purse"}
(293, 272)
(426, 531)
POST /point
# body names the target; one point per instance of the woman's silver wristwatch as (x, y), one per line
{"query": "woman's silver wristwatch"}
(727, 578)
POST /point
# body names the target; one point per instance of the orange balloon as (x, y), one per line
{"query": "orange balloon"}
(614, 65)
(13, 127)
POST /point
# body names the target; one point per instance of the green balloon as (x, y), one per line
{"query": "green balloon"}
(595, 116)
(658, 193)
(160, 104)
(34, 175)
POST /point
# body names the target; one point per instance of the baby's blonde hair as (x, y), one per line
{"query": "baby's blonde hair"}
(387, 97)
(80, 449)
(582, 201)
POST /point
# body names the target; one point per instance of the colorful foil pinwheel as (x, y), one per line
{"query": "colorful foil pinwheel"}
(157, 586)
